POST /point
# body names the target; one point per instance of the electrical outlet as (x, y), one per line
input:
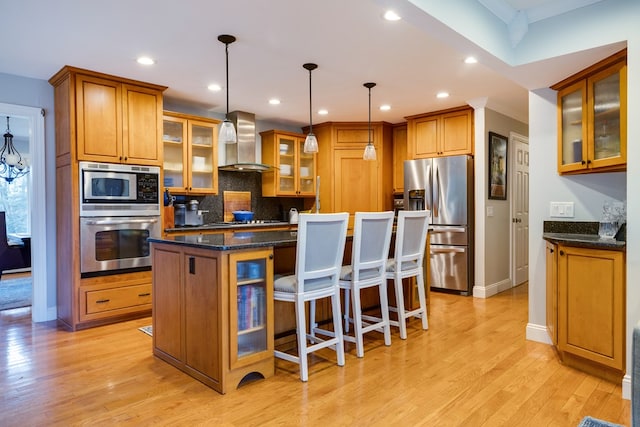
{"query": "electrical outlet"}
(561, 209)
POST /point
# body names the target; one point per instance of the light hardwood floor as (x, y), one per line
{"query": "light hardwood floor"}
(473, 367)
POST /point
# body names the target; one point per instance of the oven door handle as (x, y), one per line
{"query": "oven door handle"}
(121, 221)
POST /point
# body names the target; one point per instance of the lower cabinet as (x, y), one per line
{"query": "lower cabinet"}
(201, 323)
(590, 309)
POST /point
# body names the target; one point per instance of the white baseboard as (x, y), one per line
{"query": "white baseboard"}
(538, 333)
(492, 289)
(626, 387)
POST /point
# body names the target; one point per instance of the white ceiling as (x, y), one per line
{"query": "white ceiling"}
(348, 40)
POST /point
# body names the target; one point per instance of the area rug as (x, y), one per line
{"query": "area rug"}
(147, 330)
(15, 293)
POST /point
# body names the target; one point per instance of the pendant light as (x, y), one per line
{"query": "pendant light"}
(227, 130)
(12, 165)
(370, 149)
(310, 142)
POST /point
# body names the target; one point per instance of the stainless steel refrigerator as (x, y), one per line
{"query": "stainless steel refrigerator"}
(444, 186)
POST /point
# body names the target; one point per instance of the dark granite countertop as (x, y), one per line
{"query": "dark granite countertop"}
(223, 226)
(233, 241)
(581, 234)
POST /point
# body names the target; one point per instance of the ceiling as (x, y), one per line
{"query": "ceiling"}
(349, 41)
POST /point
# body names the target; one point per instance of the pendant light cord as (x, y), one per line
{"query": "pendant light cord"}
(310, 108)
(226, 52)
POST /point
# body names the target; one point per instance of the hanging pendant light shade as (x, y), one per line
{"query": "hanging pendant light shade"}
(227, 133)
(310, 142)
(12, 165)
(370, 149)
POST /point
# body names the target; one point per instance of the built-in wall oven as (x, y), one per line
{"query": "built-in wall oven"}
(119, 211)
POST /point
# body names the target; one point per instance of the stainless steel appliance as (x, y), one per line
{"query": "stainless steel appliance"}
(119, 210)
(444, 185)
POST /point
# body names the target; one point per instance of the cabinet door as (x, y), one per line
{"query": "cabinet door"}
(456, 134)
(356, 185)
(167, 299)
(425, 135)
(142, 112)
(251, 307)
(572, 118)
(399, 156)
(174, 140)
(607, 127)
(591, 304)
(99, 119)
(552, 292)
(287, 172)
(202, 313)
(202, 157)
(306, 185)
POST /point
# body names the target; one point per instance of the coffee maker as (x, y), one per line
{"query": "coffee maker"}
(193, 215)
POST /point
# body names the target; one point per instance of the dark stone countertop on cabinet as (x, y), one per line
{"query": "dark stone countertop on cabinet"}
(582, 234)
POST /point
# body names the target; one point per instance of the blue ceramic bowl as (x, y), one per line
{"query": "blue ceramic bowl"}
(242, 215)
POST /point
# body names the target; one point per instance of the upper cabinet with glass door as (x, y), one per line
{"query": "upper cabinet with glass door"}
(592, 118)
(294, 172)
(190, 154)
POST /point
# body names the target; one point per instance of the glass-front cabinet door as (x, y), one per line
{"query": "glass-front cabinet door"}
(608, 127)
(287, 172)
(251, 306)
(573, 141)
(174, 138)
(204, 172)
(306, 171)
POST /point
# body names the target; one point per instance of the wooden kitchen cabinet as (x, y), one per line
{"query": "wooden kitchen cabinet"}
(213, 313)
(441, 133)
(116, 120)
(348, 183)
(294, 172)
(104, 118)
(591, 309)
(592, 118)
(399, 156)
(190, 155)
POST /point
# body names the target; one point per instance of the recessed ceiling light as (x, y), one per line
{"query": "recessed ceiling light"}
(443, 94)
(323, 112)
(470, 60)
(274, 101)
(145, 60)
(385, 107)
(390, 15)
(214, 87)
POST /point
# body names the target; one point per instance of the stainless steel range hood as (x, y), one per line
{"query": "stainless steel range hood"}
(241, 157)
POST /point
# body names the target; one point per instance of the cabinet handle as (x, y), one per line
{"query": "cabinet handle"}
(561, 252)
(192, 265)
(270, 256)
(550, 250)
(146, 294)
(583, 162)
(588, 161)
(102, 301)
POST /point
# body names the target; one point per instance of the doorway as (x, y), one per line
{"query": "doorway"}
(519, 208)
(35, 123)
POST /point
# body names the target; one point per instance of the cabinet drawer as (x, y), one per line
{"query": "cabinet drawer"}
(100, 301)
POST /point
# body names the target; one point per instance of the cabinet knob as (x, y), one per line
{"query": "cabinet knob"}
(550, 250)
(561, 252)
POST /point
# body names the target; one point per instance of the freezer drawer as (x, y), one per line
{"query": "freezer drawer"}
(449, 235)
(449, 268)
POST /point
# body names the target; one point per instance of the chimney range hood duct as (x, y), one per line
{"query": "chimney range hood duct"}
(241, 156)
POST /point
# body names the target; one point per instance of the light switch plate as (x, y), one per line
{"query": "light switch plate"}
(561, 209)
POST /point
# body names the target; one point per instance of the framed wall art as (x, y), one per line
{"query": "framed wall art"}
(497, 166)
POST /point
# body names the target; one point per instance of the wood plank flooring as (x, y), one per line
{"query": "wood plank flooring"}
(473, 367)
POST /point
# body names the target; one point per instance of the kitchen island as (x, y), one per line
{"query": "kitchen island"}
(213, 304)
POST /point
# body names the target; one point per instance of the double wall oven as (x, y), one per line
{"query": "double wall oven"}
(119, 211)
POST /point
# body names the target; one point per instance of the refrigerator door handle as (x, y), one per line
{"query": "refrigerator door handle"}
(435, 250)
(447, 230)
(429, 194)
(436, 192)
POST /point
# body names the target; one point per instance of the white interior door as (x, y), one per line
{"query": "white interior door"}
(520, 209)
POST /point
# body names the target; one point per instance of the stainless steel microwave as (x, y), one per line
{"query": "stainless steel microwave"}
(109, 189)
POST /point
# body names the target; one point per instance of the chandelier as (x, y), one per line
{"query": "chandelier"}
(12, 165)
